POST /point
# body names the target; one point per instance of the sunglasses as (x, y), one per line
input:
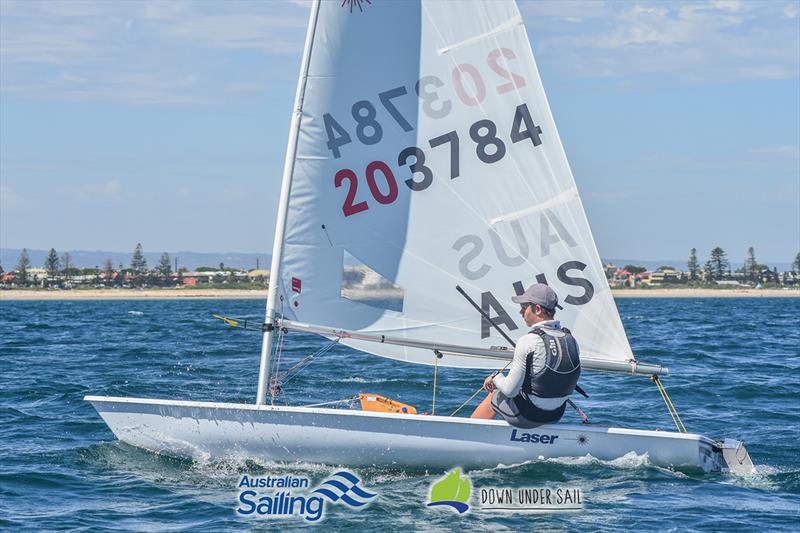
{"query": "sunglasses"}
(523, 307)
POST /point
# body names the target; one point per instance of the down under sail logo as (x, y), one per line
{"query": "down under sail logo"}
(451, 490)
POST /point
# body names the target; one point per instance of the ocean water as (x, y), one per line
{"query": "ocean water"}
(735, 365)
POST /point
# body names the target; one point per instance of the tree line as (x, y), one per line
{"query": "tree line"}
(718, 267)
(61, 270)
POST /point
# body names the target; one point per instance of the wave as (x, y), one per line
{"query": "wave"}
(629, 461)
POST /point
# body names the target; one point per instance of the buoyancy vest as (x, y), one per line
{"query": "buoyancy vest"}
(561, 370)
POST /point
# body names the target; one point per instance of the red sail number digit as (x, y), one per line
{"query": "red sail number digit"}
(390, 196)
(515, 81)
(349, 208)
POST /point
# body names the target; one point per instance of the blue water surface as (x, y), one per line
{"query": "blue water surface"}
(734, 365)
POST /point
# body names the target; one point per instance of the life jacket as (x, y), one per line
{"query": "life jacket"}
(559, 376)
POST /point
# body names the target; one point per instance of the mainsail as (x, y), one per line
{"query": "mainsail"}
(425, 156)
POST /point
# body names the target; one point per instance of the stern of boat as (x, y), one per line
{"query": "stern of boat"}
(732, 457)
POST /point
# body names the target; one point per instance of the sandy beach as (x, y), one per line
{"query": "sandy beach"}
(156, 294)
(132, 294)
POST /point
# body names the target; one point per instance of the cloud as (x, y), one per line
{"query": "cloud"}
(132, 87)
(145, 52)
(195, 52)
(732, 6)
(574, 11)
(161, 10)
(643, 26)
(694, 42)
(109, 192)
(48, 43)
(784, 150)
(238, 31)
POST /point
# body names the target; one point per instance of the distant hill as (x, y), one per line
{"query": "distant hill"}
(89, 259)
(192, 260)
(649, 265)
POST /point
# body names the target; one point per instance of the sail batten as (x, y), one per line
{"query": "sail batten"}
(427, 150)
(516, 21)
(566, 196)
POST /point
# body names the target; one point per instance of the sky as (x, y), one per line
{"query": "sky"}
(166, 123)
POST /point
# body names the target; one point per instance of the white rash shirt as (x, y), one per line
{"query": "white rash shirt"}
(511, 384)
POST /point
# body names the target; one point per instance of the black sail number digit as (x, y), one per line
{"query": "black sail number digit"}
(386, 98)
(488, 139)
(531, 131)
(337, 135)
(452, 138)
(430, 97)
(364, 114)
(418, 166)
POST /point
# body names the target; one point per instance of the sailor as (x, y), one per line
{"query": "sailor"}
(544, 371)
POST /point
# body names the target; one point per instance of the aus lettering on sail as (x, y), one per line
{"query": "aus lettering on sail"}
(479, 254)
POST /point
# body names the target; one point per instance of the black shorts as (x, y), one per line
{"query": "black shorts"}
(520, 412)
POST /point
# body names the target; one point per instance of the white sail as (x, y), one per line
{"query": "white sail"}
(427, 154)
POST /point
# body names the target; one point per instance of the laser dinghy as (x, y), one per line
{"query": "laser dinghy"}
(422, 155)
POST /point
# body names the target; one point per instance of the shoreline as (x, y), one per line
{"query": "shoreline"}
(134, 294)
(706, 293)
(175, 294)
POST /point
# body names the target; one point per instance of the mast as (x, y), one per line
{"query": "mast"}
(280, 225)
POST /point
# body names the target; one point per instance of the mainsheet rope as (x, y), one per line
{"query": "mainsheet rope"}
(477, 392)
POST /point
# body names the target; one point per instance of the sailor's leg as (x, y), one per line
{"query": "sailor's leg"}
(484, 410)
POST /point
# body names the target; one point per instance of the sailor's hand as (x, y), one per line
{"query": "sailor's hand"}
(488, 384)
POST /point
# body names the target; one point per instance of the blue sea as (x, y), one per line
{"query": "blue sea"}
(735, 365)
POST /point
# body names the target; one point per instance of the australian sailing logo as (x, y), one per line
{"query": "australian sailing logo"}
(343, 486)
(280, 502)
(451, 490)
(360, 4)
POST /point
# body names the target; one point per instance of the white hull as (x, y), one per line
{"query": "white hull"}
(356, 438)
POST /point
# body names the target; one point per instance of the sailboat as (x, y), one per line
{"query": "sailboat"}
(422, 156)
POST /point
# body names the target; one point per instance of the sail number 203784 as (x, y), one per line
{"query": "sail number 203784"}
(490, 146)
